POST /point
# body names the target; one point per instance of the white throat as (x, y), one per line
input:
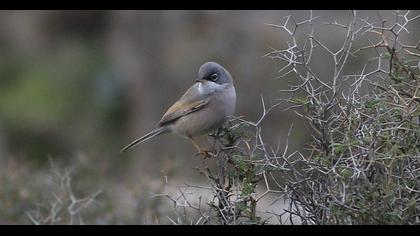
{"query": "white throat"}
(210, 87)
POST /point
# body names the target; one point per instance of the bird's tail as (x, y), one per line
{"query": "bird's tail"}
(146, 137)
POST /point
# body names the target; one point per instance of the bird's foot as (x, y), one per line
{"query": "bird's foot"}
(206, 154)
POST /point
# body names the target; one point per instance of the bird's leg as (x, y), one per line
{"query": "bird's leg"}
(200, 151)
(195, 144)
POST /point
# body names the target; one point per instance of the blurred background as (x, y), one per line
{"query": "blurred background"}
(76, 86)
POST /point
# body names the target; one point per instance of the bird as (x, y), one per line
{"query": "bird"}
(204, 107)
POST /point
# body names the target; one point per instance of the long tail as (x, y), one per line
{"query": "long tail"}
(146, 137)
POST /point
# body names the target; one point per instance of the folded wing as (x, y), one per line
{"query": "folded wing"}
(191, 101)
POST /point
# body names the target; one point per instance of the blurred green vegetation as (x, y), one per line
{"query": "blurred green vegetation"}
(52, 103)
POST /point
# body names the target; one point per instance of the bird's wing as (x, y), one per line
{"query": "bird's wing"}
(190, 102)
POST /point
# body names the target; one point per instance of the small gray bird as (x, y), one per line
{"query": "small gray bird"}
(204, 107)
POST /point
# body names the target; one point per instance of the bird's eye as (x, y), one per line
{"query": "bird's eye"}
(214, 77)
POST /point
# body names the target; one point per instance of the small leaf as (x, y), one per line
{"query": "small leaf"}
(372, 103)
(398, 79)
(338, 147)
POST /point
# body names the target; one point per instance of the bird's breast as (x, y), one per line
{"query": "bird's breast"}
(221, 105)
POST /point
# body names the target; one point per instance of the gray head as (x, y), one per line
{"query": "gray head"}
(211, 71)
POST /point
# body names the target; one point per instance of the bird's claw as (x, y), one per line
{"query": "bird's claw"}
(206, 154)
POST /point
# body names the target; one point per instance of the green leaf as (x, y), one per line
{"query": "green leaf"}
(247, 189)
(300, 100)
(372, 103)
(397, 78)
(338, 147)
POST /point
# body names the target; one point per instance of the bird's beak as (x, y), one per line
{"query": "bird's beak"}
(199, 80)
